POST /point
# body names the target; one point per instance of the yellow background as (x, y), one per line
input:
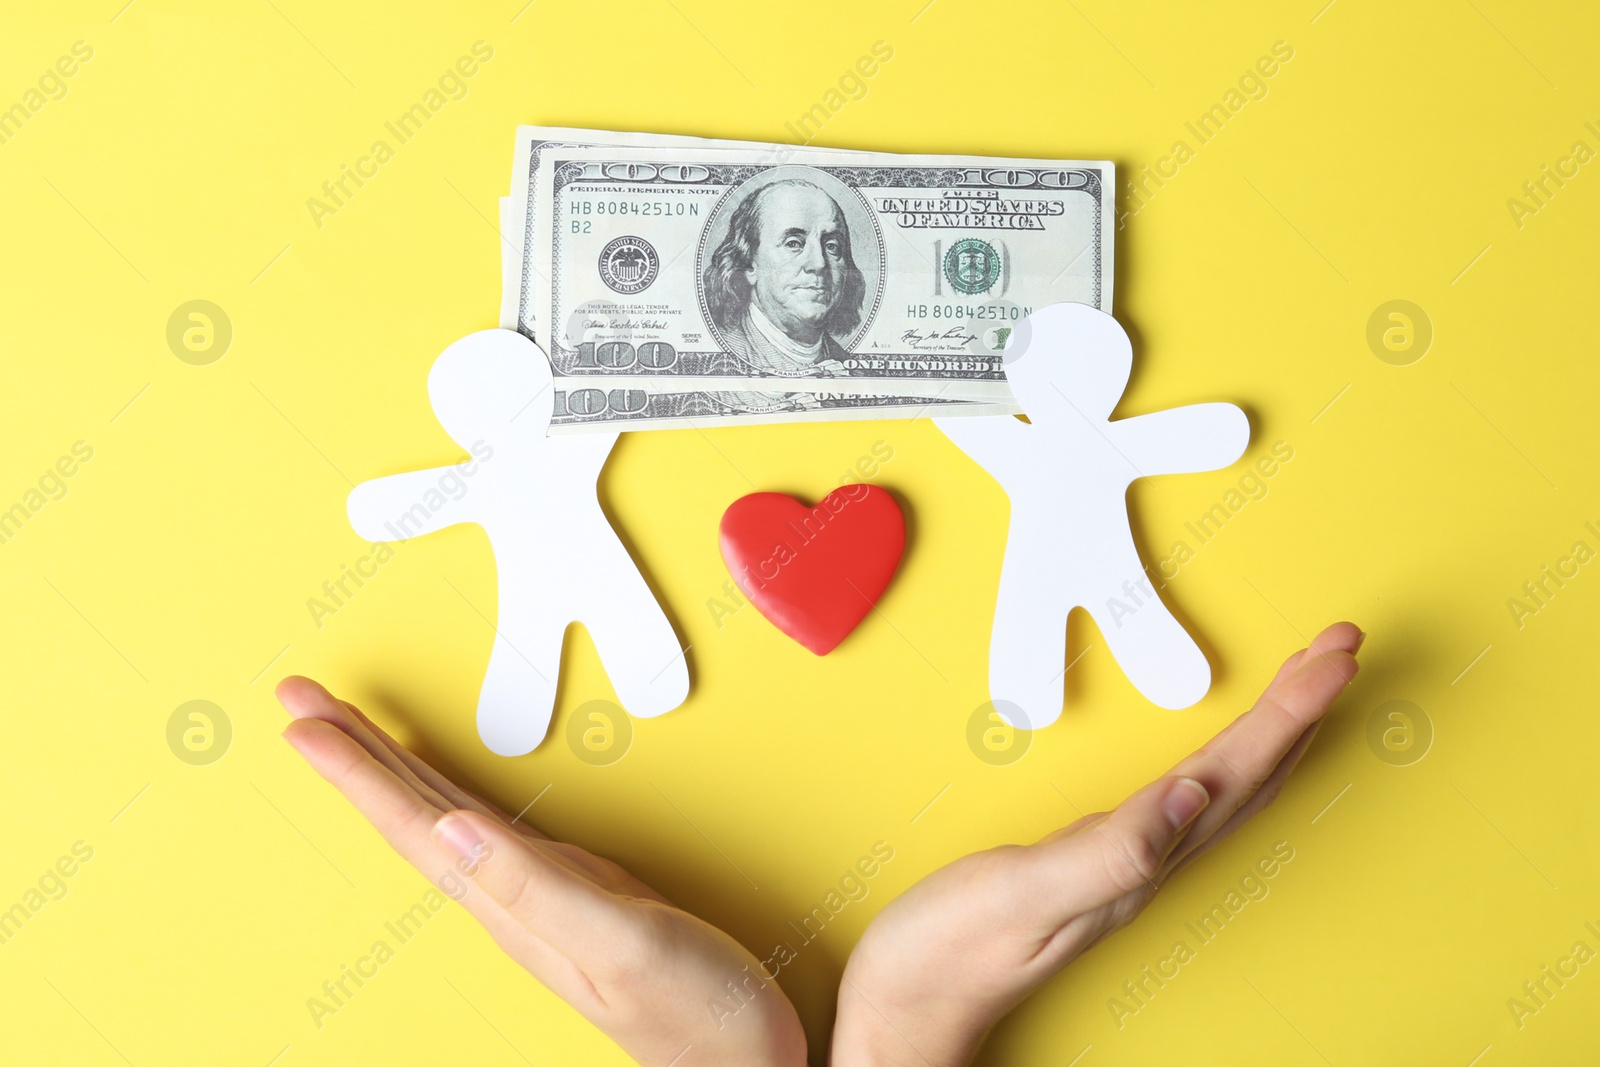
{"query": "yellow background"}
(179, 564)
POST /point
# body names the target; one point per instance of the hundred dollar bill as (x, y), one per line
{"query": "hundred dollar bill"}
(591, 410)
(510, 265)
(602, 407)
(585, 409)
(534, 141)
(876, 273)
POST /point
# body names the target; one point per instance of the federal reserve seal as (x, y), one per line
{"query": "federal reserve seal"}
(629, 264)
(972, 266)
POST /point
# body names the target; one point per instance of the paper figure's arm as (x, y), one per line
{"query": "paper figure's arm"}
(406, 505)
(992, 441)
(1187, 440)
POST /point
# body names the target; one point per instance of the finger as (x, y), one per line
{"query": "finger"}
(1338, 635)
(406, 821)
(1123, 852)
(1073, 827)
(1288, 667)
(313, 703)
(1262, 799)
(1340, 638)
(606, 874)
(1235, 764)
(453, 795)
(303, 697)
(307, 699)
(403, 816)
(551, 900)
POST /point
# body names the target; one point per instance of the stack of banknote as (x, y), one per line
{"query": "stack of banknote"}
(679, 281)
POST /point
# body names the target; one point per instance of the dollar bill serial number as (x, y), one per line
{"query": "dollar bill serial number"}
(985, 312)
(661, 207)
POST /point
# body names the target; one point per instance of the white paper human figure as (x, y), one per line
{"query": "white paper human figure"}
(1067, 473)
(557, 557)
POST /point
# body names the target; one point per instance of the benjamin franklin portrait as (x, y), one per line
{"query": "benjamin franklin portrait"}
(783, 285)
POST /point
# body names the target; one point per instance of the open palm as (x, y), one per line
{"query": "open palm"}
(635, 965)
(943, 962)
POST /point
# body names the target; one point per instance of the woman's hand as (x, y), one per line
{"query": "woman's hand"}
(640, 969)
(942, 963)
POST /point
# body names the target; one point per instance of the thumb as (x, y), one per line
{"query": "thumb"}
(1124, 852)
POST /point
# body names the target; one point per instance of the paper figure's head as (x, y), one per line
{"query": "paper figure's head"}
(492, 385)
(787, 252)
(1070, 357)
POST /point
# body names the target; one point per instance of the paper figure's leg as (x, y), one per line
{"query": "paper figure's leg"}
(1028, 647)
(1200, 437)
(519, 688)
(1155, 652)
(641, 653)
(393, 508)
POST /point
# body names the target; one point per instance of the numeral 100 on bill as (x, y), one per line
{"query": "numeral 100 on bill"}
(621, 355)
(585, 403)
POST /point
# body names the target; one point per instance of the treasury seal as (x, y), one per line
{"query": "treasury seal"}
(972, 266)
(629, 264)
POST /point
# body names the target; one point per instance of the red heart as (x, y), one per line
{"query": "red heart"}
(814, 572)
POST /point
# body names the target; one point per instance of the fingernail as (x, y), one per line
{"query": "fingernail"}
(1186, 799)
(458, 837)
(1360, 639)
